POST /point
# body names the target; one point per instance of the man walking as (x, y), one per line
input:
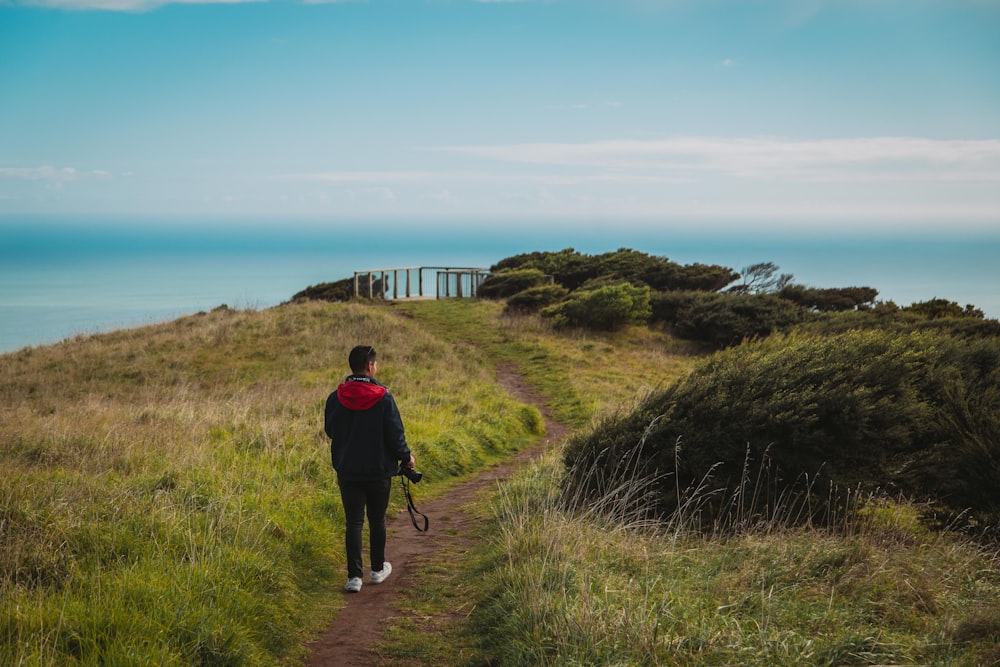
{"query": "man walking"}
(367, 446)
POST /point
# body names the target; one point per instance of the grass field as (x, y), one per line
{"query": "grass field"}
(167, 499)
(597, 587)
(167, 496)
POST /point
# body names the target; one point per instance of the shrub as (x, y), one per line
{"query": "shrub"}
(606, 308)
(899, 320)
(910, 413)
(572, 269)
(942, 308)
(534, 299)
(667, 306)
(341, 290)
(506, 283)
(568, 267)
(829, 299)
(668, 276)
(725, 319)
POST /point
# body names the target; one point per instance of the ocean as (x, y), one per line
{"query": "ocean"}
(61, 278)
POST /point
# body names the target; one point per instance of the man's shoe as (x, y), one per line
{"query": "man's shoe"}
(353, 584)
(381, 575)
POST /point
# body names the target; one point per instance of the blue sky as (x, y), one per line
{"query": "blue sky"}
(813, 114)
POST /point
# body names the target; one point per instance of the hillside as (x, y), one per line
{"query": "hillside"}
(168, 500)
(168, 497)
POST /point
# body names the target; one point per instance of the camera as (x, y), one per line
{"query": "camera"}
(411, 474)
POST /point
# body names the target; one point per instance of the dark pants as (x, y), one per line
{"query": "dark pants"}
(357, 496)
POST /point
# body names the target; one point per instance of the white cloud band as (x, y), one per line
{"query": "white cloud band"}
(120, 5)
(876, 158)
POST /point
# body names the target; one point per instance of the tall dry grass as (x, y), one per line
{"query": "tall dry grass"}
(598, 585)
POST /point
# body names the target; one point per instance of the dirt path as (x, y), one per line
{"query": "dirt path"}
(349, 641)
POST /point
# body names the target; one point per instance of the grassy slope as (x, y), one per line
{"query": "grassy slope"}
(167, 497)
(560, 589)
(583, 375)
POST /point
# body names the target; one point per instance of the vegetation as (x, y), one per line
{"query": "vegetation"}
(704, 303)
(709, 304)
(168, 497)
(598, 588)
(502, 284)
(340, 290)
(566, 582)
(572, 269)
(534, 299)
(607, 308)
(917, 414)
(725, 320)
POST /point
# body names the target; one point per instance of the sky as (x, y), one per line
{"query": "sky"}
(804, 114)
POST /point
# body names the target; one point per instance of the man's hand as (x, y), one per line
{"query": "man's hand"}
(412, 462)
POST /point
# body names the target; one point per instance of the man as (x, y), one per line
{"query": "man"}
(367, 447)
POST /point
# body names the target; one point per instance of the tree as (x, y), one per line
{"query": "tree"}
(760, 279)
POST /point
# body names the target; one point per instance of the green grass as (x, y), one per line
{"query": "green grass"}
(581, 374)
(168, 498)
(579, 590)
(586, 587)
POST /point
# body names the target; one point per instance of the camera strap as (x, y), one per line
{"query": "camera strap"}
(411, 508)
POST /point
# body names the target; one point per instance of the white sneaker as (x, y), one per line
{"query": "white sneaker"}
(353, 585)
(381, 575)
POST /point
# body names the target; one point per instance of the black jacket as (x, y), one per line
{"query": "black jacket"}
(365, 429)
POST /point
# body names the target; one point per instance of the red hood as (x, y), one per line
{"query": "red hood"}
(355, 395)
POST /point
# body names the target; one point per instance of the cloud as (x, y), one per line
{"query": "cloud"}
(380, 194)
(43, 173)
(874, 158)
(442, 196)
(362, 176)
(119, 5)
(52, 174)
(329, 2)
(479, 177)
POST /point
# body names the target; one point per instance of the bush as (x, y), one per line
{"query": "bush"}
(668, 276)
(942, 308)
(667, 306)
(534, 299)
(830, 299)
(341, 290)
(503, 284)
(725, 319)
(568, 267)
(899, 320)
(910, 413)
(572, 269)
(606, 308)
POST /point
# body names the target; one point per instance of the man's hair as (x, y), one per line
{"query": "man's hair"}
(359, 358)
